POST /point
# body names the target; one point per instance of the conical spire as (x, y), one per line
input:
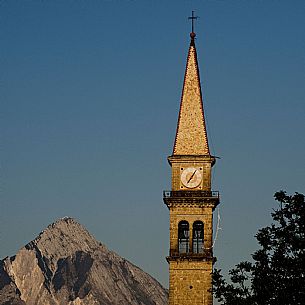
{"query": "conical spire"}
(191, 136)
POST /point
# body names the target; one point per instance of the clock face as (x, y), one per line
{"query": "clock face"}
(191, 177)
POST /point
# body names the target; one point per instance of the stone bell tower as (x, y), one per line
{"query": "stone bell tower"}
(191, 201)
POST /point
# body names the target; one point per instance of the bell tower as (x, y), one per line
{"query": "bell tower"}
(191, 201)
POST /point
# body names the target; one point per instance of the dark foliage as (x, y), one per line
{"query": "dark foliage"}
(277, 274)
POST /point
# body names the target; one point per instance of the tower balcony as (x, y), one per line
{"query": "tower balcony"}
(206, 254)
(206, 198)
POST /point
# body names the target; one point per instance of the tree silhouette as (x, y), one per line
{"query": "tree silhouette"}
(277, 274)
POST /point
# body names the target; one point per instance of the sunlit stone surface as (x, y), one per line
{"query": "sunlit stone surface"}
(191, 137)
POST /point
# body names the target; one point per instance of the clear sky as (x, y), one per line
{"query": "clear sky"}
(90, 93)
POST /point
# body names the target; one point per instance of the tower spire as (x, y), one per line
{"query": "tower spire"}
(191, 135)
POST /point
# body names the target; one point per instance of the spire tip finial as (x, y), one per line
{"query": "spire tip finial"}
(193, 35)
(193, 18)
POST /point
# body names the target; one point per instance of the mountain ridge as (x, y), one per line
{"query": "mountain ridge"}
(65, 264)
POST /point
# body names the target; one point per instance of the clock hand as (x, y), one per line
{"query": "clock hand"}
(192, 176)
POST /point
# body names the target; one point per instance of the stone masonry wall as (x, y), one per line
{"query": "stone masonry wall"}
(190, 283)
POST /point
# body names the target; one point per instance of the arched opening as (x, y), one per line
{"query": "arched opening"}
(198, 237)
(183, 236)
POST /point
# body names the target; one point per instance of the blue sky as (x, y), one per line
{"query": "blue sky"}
(90, 93)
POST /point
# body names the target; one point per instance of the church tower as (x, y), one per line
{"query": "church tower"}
(191, 201)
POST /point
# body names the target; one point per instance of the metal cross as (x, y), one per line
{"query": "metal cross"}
(193, 18)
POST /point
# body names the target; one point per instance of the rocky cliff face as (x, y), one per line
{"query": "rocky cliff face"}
(65, 265)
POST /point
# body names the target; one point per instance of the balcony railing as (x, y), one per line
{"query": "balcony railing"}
(183, 194)
(204, 252)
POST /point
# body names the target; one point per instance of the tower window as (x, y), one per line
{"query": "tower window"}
(183, 236)
(198, 237)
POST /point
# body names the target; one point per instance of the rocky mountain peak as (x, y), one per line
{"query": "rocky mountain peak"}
(65, 264)
(62, 239)
(66, 228)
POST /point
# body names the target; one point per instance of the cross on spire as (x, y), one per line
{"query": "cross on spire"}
(193, 18)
